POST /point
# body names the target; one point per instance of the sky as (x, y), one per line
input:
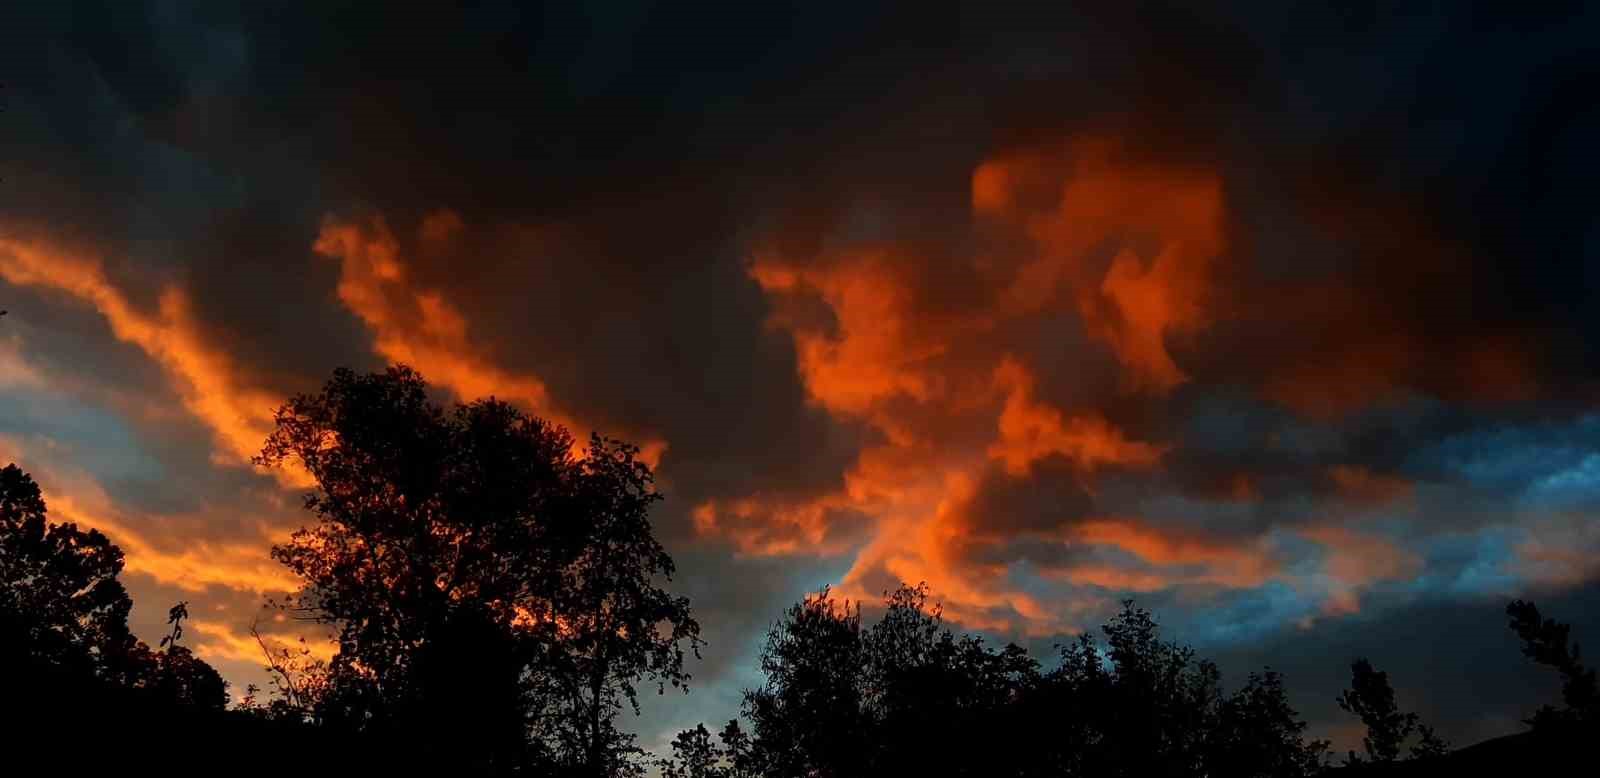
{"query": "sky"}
(1278, 319)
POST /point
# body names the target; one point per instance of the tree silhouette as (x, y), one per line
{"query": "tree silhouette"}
(1372, 699)
(180, 676)
(64, 613)
(60, 599)
(474, 567)
(924, 683)
(807, 716)
(906, 696)
(1140, 705)
(1546, 641)
(1257, 734)
(695, 755)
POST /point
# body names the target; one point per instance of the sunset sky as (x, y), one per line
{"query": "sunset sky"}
(1280, 320)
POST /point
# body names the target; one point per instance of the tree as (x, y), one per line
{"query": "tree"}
(907, 696)
(1546, 641)
(807, 715)
(59, 594)
(63, 610)
(925, 684)
(180, 676)
(1161, 699)
(472, 565)
(1259, 735)
(1372, 699)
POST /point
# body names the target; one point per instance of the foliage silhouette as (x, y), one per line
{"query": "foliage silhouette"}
(82, 691)
(906, 696)
(485, 583)
(1372, 699)
(61, 596)
(62, 607)
(1546, 641)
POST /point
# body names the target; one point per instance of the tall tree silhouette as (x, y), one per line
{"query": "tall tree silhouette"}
(807, 716)
(473, 566)
(1547, 642)
(1371, 698)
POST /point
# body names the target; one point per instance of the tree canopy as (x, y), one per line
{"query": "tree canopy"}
(907, 696)
(64, 611)
(481, 576)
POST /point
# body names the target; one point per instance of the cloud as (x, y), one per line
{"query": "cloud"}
(154, 546)
(15, 371)
(1561, 551)
(212, 388)
(219, 640)
(420, 328)
(944, 377)
(1167, 224)
(1356, 560)
(1358, 483)
(1030, 431)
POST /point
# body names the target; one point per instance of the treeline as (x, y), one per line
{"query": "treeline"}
(907, 696)
(497, 605)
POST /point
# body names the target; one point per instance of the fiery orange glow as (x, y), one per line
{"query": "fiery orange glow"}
(951, 405)
(191, 564)
(220, 640)
(1232, 564)
(211, 386)
(1030, 431)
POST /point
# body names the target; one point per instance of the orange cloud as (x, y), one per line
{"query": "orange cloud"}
(219, 640)
(1168, 221)
(877, 342)
(1231, 563)
(879, 346)
(211, 386)
(1030, 431)
(189, 563)
(419, 327)
(1354, 561)
(771, 527)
